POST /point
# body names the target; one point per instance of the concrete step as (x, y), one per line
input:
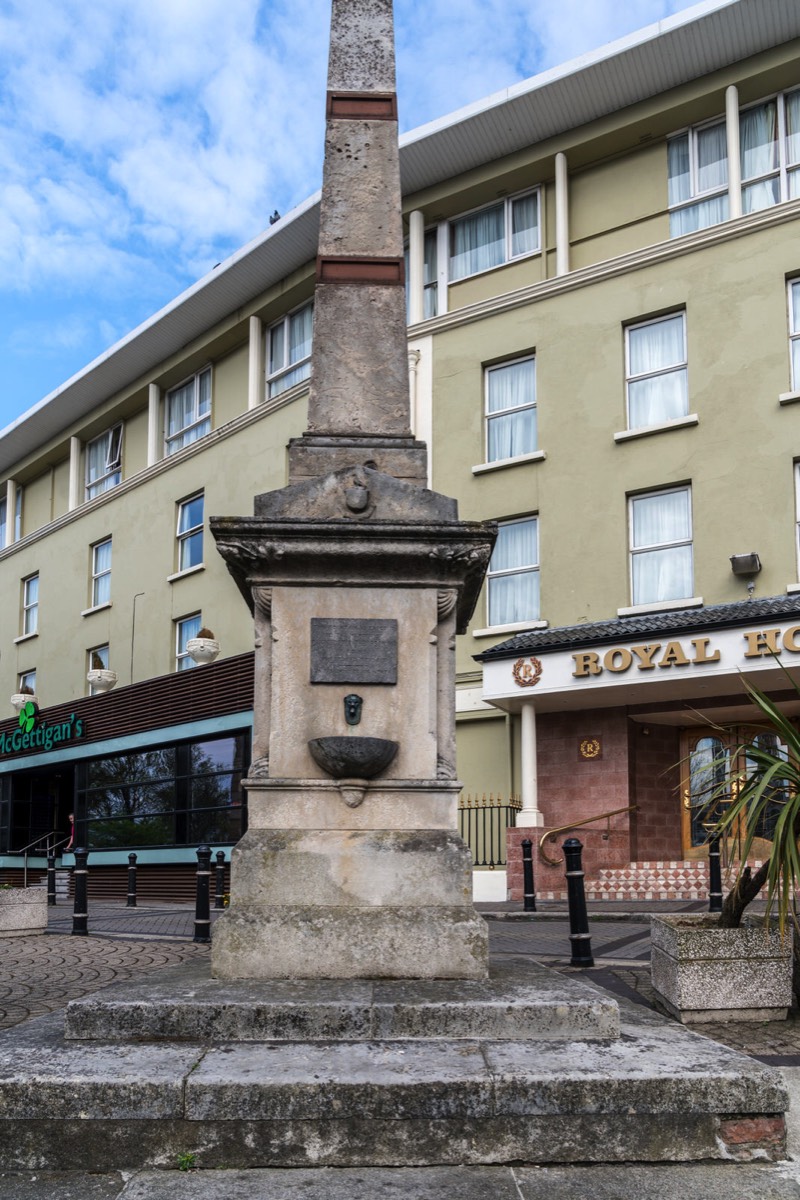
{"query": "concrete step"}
(520, 1000)
(656, 1093)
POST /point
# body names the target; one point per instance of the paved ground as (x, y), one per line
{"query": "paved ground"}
(40, 974)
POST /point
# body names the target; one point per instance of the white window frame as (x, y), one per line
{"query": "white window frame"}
(490, 416)
(525, 569)
(784, 168)
(649, 548)
(199, 424)
(682, 366)
(508, 203)
(103, 654)
(27, 679)
(186, 628)
(3, 520)
(274, 379)
(18, 514)
(697, 195)
(112, 474)
(99, 575)
(794, 332)
(184, 537)
(30, 607)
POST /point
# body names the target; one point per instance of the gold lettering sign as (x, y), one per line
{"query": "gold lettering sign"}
(527, 672)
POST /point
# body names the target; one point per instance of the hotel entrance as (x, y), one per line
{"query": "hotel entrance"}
(710, 759)
(36, 805)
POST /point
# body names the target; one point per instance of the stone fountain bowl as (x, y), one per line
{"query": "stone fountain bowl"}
(353, 757)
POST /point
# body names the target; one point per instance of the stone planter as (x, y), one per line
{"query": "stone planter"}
(23, 911)
(20, 699)
(702, 973)
(202, 650)
(101, 679)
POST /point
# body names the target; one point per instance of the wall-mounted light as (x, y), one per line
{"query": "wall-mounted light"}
(745, 564)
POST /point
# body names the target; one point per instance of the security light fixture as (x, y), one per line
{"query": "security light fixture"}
(745, 564)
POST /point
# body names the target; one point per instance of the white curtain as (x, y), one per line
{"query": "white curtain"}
(511, 387)
(678, 178)
(430, 276)
(793, 128)
(300, 327)
(96, 455)
(664, 572)
(477, 242)
(758, 140)
(300, 340)
(524, 225)
(712, 172)
(514, 597)
(180, 409)
(712, 158)
(102, 573)
(658, 347)
(795, 343)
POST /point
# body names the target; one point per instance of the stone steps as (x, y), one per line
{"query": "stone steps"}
(668, 880)
(656, 1093)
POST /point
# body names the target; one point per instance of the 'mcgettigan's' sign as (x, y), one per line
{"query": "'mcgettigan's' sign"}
(34, 734)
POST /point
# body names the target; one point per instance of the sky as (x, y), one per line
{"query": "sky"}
(144, 141)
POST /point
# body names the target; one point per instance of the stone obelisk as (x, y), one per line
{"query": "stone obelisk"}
(358, 578)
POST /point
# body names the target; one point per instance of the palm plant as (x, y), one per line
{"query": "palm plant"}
(764, 793)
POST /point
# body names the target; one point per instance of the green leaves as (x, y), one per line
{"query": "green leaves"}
(27, 717)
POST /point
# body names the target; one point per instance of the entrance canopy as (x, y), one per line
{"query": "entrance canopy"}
(674, 667)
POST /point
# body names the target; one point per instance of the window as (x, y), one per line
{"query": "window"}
(3, 521)
(494, 235)
(513, 577)
(18, 515)
(511, 409)
(185, 628)
(30, 604)
(101, 573)
(96, 659)
(27, 679)
(697, 179)
(655, 369)
(190, 533)
(661, 546)
(183, 793)
(769, 142)
(188, 412)
(794, 331)
(289, 351)
(104, 462)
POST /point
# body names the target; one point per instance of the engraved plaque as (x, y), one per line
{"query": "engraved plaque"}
(353, 650)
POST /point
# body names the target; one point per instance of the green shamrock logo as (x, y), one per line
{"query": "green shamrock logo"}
(27, 717)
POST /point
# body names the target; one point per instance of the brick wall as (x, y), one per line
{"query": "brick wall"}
(655, 775)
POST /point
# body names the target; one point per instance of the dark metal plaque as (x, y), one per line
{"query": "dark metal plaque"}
(353, 650)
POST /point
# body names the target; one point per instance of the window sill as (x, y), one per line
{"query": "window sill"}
(628, 435)
(792, 588)
(535, 456)
(188, 571)
(664, 606)
(25, 637)
(788, 398)
(518, 627)
(87, 612)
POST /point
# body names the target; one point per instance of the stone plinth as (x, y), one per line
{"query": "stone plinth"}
(703, 973)
(23, 911)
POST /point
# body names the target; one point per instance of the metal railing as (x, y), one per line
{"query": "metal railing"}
(45, 845)
(553, 833)
(482, 823)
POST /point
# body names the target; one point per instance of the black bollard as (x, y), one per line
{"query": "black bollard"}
(528, 892)
(51, 879)
(714, 876)
(131, 881)
(579, 936)
(202, 912)
(80, 912)
(219, 880)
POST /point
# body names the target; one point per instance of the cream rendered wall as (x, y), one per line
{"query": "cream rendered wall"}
(230, 386)
(481, 756)
(618, 206)
(134, 444)
(739, 458)
(37, 502)
(140, 516)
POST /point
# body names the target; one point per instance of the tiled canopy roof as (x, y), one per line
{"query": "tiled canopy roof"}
(622, 629)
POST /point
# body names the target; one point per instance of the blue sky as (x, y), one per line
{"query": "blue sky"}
(143, 141)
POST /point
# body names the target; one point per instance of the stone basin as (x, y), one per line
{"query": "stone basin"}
(353, 757)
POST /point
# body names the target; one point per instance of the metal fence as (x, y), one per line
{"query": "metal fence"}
(482, 823)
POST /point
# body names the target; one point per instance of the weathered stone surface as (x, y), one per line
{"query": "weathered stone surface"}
(401, 458)
(316, 804)
(23, 911)
(350, 869)
(311, 941)
(704, 973)
(360, 214)
(519, 1000)
(361, 56)
(326, 497)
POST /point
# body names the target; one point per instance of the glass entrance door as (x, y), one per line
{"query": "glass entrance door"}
(709, 759)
